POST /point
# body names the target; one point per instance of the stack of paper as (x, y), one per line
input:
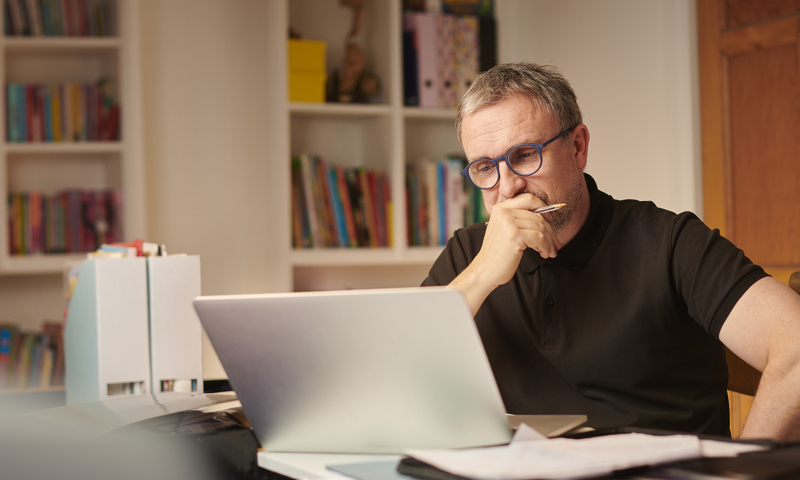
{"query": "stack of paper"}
(531, 455)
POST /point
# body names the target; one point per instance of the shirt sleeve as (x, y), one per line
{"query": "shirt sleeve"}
(710, 273)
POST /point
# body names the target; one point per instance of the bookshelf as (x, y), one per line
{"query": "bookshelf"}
(382, 135)
(50, 167)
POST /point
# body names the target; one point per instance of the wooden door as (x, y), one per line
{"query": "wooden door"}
(749, 59)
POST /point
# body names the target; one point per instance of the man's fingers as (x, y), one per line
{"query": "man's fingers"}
(523, 201)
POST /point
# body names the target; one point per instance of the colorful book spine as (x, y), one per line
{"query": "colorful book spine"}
(343, 207)
(37, 112)
(31, 359)
(68, 222)
(439, 201)
(57, 17)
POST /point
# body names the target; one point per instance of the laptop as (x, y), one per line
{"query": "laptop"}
(357, 371)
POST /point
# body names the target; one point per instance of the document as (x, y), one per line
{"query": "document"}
(531, 455)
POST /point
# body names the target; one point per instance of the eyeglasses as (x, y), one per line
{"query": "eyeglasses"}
(524, 160)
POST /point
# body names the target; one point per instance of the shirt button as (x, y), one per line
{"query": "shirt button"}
(549, 303)
(548, 261)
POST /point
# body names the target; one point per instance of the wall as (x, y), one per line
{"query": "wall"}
(633, 65)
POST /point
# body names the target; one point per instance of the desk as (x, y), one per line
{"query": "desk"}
(176, 436)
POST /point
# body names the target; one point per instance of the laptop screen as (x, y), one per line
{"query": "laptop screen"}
(358, 371)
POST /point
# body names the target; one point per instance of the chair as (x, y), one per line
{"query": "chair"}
(742, 378)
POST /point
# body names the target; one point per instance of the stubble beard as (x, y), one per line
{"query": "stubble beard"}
(561, 218)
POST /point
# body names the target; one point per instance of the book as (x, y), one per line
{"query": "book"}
(6, 340)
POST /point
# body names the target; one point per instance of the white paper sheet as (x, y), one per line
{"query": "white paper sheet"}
(530, 457)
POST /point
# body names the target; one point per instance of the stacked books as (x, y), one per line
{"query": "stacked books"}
(440, 200)
(67, 222)
(65, 112)
(57, 18)
(333, 206)
(31, 359)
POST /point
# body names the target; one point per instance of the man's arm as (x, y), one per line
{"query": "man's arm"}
(763, 329)
(513, 228)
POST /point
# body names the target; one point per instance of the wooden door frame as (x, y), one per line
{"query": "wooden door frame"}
(714, 105)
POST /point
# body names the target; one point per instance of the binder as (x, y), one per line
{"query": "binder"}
(106, 338)
(487, 43)
(466, 53)
(176, 350)
(427, 59)
(445, 60)
(410, 59)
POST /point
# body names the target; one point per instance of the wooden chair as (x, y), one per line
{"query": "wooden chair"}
(742, 378)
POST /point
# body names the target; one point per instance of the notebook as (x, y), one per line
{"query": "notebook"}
(357, 371)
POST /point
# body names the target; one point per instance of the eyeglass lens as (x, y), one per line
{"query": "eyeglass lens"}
(523, 160)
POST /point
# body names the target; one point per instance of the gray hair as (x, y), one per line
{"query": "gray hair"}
(542, 84)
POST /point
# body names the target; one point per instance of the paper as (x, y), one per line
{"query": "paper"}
(530, 457)
(715, 448)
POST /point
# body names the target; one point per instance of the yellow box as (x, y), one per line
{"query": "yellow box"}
(307, 55)
(306, 87)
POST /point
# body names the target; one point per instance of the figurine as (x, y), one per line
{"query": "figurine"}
(352, 83)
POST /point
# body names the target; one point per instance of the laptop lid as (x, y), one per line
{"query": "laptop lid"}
(357, 371)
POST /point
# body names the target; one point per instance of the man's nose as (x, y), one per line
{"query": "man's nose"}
(510, 183)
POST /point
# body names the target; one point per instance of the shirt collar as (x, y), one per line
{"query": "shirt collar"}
(580, 249)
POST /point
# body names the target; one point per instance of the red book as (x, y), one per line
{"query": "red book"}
(369, 207)
(29, 101)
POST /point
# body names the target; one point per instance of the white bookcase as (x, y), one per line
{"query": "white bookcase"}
(384, 135)
(49, 167)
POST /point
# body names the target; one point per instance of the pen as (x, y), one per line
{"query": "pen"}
(550, 208)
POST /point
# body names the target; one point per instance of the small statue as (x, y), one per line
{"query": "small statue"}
(352, 83)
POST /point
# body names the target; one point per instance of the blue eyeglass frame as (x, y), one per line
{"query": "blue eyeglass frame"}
(496, 161)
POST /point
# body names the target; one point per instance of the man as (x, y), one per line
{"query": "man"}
(614, 309)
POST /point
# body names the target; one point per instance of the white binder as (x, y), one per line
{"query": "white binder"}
(106, 340)
(176, 350)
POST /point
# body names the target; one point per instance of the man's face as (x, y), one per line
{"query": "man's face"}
(492, 131)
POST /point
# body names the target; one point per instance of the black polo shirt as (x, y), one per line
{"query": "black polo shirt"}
(622, 325)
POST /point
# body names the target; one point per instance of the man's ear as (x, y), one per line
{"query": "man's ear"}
(580, 144)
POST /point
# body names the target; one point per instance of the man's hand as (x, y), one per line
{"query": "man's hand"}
(513, 228)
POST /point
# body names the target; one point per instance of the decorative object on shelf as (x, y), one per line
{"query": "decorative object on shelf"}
(353, 83)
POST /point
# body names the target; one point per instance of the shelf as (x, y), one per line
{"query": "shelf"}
(347, 257)
(59, 44)
(14, 391)
(340, 109)
(63, 147)
(38, 264)
(429, 113)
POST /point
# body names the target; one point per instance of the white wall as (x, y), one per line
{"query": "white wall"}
(208, 138)
(632, 64)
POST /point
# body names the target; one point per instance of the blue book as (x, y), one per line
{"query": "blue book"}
(22, 112)
(338, 211)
